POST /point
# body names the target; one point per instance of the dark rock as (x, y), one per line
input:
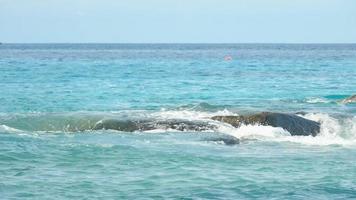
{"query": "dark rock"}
(145, 125)
(301, 113)
(183, 125)
(119, 125)
(226, 139)
(294, 124)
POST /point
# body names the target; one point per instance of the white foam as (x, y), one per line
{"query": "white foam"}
(8, 129)
(317, 100)
(189, 114)
(335, 131)
(253, 131)
(329, 125)
(332, 132)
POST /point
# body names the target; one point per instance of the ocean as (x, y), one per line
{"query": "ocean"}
(53, 96)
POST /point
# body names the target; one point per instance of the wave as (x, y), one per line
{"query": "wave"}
(203, 106)
(329, 99)
(334, 130)
(317, 100)
(8, 129)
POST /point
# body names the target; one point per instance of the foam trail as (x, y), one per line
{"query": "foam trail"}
(316, 100)
(189, 114)
(253, 131)
(8, 129)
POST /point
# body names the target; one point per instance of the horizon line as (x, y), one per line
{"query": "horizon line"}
(163, 43)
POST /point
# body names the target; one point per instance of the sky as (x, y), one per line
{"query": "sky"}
(178, 21)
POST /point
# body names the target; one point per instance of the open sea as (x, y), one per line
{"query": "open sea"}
(52, 95)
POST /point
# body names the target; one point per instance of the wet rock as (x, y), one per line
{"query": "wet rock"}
(294, 124)
(119, 125)
(146, 125)
(184, 125)
(227, 140)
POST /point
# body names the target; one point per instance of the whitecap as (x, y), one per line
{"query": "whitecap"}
(8, 129)
(315, 100)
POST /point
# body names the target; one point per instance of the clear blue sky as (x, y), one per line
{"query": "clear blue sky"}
(176, 21)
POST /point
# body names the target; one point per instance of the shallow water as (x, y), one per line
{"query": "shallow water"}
(52, 96)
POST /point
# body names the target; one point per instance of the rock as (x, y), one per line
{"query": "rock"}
(119, 125)
(351, 99)
(183, 125)
(301, 113)
(294, 124)
(226, 139)
(146, 125)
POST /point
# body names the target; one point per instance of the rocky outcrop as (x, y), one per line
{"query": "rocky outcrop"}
(146, 125)
(294, 124)
(351, 99)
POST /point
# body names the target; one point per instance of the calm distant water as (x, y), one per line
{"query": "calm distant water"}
(53, 94)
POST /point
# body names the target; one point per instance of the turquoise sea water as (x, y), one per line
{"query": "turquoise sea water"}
(53, 94)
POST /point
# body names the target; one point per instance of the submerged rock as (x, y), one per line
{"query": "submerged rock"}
(294, 124)
(146, 125)
(226, 139)
(351, 99)
(119, 125)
